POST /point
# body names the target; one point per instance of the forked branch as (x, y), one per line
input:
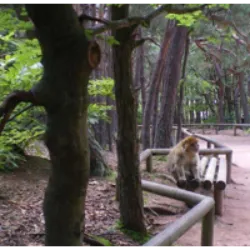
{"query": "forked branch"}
(11, 101)
(123, 23)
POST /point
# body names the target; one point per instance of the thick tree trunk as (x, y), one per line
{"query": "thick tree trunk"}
(152, 96)
(63, 92)
(131, 203)
(179, 107)
(173, 68)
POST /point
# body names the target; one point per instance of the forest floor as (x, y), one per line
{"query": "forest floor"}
(22, 192)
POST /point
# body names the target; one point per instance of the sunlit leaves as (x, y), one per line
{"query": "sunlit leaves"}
(186, 19)
(101, 87)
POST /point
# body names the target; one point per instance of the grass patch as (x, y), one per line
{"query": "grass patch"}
(138, 237)
(111, 175)
(102, 240)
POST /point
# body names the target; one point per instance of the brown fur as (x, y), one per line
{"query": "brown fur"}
(184, 158)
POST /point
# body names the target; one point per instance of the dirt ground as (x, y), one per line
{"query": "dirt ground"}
(21, 196)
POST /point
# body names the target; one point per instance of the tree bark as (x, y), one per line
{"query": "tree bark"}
(221, 117)
(181, 91)
(68, 61)
(243, 98)
(98, 164)
(173, 68)
(152, 97)
(131, 203)
(236, 105)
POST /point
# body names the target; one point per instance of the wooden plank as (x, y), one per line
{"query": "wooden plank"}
(203, 164)
(209, 177)
(221, 175)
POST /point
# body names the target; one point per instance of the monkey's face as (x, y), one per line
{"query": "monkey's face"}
(194, 147)
(191, 145)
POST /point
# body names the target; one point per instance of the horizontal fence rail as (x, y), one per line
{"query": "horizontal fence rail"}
(204, 208)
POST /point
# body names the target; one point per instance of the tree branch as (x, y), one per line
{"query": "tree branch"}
(138, 43)
(84, 17)
(225, 22)
(145, 21)
(11, 101)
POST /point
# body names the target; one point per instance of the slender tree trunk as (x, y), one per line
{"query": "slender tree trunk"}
(221, 117)
(152, 96)
(243, 98)
(173, 68)
(131, 202)
(236, 105)
(228, 99)
(63, 92)
(191, 112)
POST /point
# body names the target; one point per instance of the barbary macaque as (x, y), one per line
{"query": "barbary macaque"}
(183, 162)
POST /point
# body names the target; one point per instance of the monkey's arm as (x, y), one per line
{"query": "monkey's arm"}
(179, 167)
(195, 167)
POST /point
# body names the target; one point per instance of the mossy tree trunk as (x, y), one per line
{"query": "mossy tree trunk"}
(63, 92)
(131, 203)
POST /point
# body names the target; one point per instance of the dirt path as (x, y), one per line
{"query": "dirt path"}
(232, 229)
(22, 192)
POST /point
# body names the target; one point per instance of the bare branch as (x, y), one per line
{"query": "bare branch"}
(11, 101)
(169, 8)
(141, 41)
(84, 17)
(225, 22)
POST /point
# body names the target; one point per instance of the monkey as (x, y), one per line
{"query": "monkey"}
(183, 161)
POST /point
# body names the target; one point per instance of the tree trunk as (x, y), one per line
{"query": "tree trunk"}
(181, 91)
(63, 92)
(131, 202)
(243, 98)
(154, 87)
(236, 105)
(173, 67)
(221, 103)
(228, 99)
(191, 112)
(98, 165)
(139, 72)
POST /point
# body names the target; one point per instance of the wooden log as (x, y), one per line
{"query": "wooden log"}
(217, 151)
(145, 154)
(209, 177)
(219, 199)
(235, 128)
(221, 175)
(203, 164)
(229, 165)
(149, 163)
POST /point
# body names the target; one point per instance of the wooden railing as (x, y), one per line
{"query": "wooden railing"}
(204, 206)
(217, 126)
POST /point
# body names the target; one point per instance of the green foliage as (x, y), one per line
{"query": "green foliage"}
(139, 237)
(100, 87)
(190, 19)
(187, 19)
(9, 21)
